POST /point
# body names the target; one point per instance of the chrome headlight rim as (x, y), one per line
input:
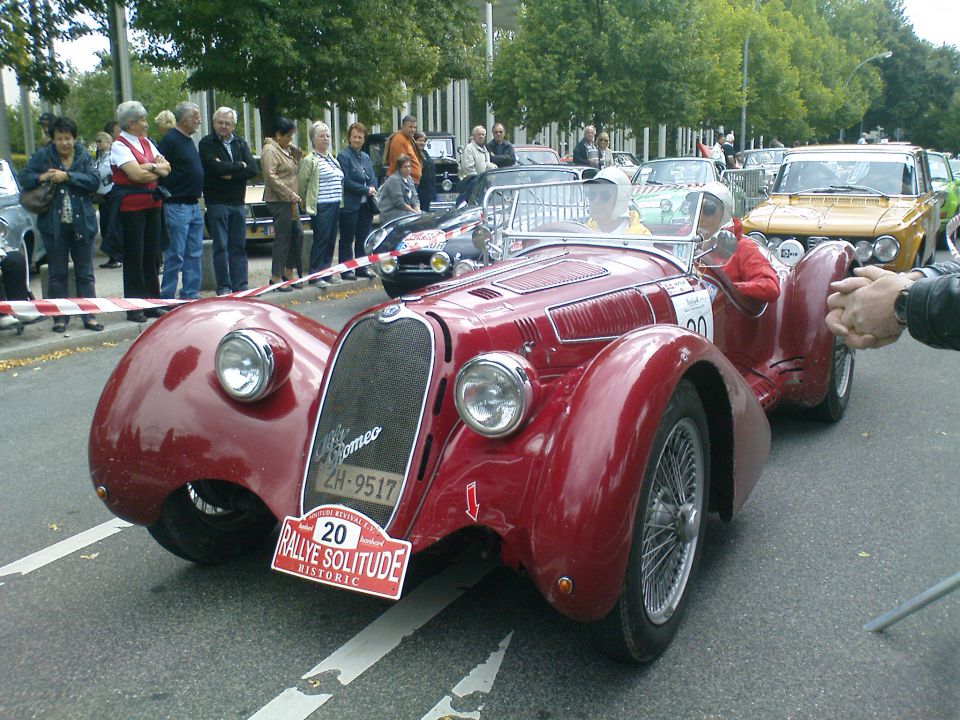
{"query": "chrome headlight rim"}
(374, 239)
(863, 250)
(886, 248)
(511, 369)
(465, 265)
(758, 237)
(388, 265)
(440, 262)
(260, 349)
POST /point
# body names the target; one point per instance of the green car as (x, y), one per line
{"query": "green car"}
(946, 185)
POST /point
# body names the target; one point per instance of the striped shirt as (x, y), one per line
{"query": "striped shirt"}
(329, 181)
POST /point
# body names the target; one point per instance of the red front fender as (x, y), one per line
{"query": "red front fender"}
(588, 491)
(163, 419)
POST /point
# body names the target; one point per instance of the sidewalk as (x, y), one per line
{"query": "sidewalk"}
(38, 341)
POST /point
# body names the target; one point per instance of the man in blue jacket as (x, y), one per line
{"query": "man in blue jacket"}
(181, 211)
(227, 165)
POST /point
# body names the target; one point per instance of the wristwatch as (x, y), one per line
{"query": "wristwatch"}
(900, 306)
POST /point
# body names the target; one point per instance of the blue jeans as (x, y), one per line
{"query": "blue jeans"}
(185, 228)
(60, 249)
(228, 230)
(324, 225)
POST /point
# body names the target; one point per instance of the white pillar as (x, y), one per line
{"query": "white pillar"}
(662, 141)
(451, 120)
(430, 125)
(418, 104)
(246, 121)
(259, 132)
(489, 124)
(646, 144)
(335, 130)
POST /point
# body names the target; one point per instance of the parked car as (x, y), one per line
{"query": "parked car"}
(441, 147)
(678, 170)
(878, 198)
(536, 155)
(767, 159)
(257, 217)
(946, 185)
(625, 159)
(577, 405)
(21, 226)
(446, 237)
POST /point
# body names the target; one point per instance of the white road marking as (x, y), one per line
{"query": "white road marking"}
(412, 612)
(63, 548)
(479, 680)
(379, 637)
(291, 704)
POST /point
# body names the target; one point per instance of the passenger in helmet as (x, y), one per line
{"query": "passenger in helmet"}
(609, 196)
(746, 267)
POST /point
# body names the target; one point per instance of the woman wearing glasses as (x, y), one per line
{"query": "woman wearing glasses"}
(603, 149)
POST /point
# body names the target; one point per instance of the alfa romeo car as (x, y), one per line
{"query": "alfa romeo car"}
(580, 402)
(879, 198)
(445, 238)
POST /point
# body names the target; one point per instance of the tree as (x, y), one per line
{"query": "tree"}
(90, 102)
(27, 32)
(296, 57)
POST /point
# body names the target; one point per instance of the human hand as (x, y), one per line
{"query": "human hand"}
(861, 307)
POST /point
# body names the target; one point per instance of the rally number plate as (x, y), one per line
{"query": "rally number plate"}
(337, 546)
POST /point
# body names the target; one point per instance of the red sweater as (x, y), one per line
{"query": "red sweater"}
(750, 272)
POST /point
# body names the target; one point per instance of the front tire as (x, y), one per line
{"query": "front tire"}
(212, 522)
(667, 536)
(839, 384)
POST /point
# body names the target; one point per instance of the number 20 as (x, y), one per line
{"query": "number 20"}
(334, 533)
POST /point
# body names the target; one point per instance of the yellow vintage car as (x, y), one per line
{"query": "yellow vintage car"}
(879, 198)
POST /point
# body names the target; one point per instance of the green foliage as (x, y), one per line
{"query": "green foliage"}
(90, 103)
(296, 57)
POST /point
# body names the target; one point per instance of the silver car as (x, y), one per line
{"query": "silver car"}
(19, 231)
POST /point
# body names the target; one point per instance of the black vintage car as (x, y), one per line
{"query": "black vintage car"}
(441, 147)
(446, 237)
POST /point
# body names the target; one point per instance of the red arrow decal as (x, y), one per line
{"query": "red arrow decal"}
(473, 507)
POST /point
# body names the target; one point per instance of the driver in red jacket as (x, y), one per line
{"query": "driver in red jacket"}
(747, 268)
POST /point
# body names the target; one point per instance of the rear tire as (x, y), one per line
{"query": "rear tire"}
(212, 522)
(839, 384)
(667, 536)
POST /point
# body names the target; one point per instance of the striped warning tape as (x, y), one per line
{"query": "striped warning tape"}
(84, 306)
(951, 233)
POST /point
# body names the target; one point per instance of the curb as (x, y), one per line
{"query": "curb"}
(38, 343)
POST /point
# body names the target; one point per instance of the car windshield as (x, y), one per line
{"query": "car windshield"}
(8, 183)
(663, 220)
(662, 172)
(536, 157)
(624, 159)
(439, 147)
(756, 158)
(848, 172)
(939, 172)
(532, 176)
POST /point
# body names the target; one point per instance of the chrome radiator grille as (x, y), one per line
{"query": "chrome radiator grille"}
(369, 417)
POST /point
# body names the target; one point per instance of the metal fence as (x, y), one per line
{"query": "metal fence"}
(747, 187)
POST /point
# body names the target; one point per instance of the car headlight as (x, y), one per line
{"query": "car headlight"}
(447, 185)
(494, 392)
(252, 363)
(389, 265)
(374, 239)
(774, 242)
(440, 262)
(864, 251)
(886, 248)
(464, 266)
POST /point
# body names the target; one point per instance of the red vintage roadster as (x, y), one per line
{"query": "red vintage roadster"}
(582, 399)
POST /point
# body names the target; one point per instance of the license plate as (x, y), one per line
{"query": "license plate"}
(447, 197)
(357, 483)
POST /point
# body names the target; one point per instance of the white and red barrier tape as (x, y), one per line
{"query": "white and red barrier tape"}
(84, 306)
(951, 233)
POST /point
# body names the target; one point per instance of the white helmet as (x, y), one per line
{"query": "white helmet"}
(616, 177)
(716, 190)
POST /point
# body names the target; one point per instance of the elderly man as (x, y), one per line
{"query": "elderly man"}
(227, 165)
(181, 210)
(585, 152)
(501, 150)
(402, 143)
(476, 158)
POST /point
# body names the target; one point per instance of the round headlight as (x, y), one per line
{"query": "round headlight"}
(886, 248)
(374, 239)
(790, 251)
(389, 265)
(666, 206)
(864, 250)
(440, 262)
(464, 266)
(759, 237)
(447, 185)
(252, 363)
(774, 242)
(494, 392)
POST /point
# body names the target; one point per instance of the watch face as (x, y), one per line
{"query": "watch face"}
(900, 307)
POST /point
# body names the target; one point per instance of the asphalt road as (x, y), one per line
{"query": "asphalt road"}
(846, 522)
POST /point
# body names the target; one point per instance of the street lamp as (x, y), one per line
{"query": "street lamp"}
(743, 88)
(879, 56)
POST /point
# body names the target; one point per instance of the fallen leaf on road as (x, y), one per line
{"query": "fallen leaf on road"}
(866, 434)
(863, 554)
(91, 556)
(53, 526)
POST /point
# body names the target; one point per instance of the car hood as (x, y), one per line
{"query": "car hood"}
(830, 216)
(433, 229)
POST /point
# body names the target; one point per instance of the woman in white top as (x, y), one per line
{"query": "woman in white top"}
(320, 184)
